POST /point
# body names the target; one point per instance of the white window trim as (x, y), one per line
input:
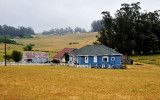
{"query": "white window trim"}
(86, 61)
(105, 57)
(95, 59)
(114, 58)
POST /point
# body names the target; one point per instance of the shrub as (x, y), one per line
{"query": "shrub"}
(16, 55)
(70, 43)
(8, 57)
(55, 61)
(28, 47)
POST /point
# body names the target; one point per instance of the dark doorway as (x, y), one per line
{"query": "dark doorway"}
(29, 60)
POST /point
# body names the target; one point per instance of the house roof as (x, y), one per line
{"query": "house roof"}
(36, 55)
(65, 50)
(95, 50)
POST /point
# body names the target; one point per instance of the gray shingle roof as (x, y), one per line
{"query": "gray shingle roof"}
(94, 50)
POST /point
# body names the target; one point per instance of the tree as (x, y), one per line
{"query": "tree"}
(28, 47)
(16, 55)
(8, 57)
(131, 30)
(96, 26)
(66, 57)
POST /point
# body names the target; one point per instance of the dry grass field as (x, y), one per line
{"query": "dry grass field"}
(51, 44)
(138, 82)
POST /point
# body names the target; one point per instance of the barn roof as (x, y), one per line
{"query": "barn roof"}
(65, 50)
(36, 55)
(95, 50)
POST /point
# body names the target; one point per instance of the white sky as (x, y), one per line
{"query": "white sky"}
(46, 14)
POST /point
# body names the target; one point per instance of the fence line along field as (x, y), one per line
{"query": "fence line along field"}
(138, 82)
(51, 44)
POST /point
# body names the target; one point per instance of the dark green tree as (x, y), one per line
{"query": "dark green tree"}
(131, 30)
(16, 55)
(66, 57)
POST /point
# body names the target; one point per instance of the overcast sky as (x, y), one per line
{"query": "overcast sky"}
(46, 14)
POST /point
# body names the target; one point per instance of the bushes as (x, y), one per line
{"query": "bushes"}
(73, 43)
(55, 61)
(8, 40)
(28, 47)
(8, 57)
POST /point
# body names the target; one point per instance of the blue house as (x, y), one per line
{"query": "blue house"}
(95, 56)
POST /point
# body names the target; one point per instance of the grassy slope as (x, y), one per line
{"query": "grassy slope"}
(139, 82)
(51, 43)
(149, 59)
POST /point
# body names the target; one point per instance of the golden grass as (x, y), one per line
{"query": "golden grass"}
(138, 82)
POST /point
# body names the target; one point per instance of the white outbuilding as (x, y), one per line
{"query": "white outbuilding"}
(35, 57)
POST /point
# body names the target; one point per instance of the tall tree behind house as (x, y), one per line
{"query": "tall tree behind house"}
(131, 30)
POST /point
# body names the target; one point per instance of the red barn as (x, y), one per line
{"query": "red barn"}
(60, 56)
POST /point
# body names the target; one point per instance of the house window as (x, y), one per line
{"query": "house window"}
(105, 59)
(113, 58)
(86, 59)
(95, 59)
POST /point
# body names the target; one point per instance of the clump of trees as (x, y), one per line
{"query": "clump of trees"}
(28, 47)
(66, 30)
(131, 31)
(21, 32)
(96, 25)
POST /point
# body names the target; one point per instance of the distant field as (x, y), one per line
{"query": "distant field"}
(51, 44)
(138, 82)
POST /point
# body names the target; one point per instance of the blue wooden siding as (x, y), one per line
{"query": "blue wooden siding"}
(80, 60)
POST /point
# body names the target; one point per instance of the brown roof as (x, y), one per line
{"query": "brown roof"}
(36, 55)
(65, 50)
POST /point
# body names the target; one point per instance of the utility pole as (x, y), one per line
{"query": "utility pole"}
(5, 50)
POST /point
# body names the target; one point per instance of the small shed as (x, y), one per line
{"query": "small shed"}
(35, 57)
(60, 56)
(95, 56)
(126, 60)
